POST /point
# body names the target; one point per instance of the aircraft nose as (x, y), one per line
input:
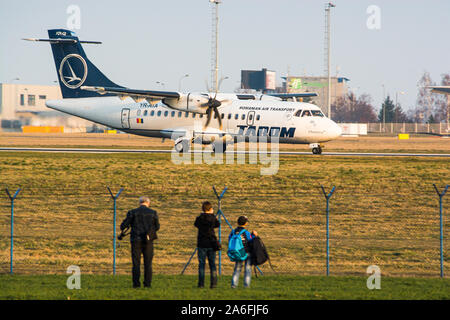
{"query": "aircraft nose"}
(335, 130)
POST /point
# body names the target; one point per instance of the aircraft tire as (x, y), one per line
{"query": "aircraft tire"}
(182, 146)
(317, 150)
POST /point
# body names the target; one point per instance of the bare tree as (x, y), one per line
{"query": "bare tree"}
(351, 108)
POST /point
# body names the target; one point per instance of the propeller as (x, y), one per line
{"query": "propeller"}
(212, 105)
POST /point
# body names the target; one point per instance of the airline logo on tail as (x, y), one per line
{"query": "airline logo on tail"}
(67, 74)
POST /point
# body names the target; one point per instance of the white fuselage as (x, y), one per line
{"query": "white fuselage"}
(247, 118)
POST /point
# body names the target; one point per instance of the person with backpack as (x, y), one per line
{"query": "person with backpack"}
(207, 244)
(239, 251)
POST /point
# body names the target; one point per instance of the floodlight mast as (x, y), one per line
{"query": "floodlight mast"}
(214, 45)
(328, 7)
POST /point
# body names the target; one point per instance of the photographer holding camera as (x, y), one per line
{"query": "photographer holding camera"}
(144, 224)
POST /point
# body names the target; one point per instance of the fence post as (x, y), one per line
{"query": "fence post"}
(114, 197)
(327, 197)
(12, 198)
(441, 226)
(220, 215)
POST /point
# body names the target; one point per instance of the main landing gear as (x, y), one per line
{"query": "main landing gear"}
(182, 145)
(316, 148)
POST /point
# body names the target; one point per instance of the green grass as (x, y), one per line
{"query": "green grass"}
(53, 287)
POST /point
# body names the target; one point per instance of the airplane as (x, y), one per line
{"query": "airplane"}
(89, 94)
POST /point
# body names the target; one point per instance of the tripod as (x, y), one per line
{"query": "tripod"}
(219, 216)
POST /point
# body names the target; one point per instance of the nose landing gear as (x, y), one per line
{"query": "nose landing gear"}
(316, 148)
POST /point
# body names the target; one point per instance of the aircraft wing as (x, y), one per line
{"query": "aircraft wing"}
(134, 93)
(285, 96)
(440, 89)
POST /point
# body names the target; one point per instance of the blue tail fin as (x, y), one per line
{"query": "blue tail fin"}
(73, 67)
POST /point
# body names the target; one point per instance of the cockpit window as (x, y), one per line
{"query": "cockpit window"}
(298, 113)
(317, 113)
(306, 113)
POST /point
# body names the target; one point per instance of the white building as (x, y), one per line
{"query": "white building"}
(24, 104)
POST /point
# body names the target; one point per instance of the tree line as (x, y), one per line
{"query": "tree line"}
(429, 108)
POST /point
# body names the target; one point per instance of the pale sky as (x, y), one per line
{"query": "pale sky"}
(149, 41)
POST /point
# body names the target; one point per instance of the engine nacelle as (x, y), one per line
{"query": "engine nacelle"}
(191, 102)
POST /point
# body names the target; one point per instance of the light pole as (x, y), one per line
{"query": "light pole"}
(328, 7)
(179, 81)
(215, 44)
(396, 103)
(384, 108)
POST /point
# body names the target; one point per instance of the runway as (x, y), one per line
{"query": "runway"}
(302, 153)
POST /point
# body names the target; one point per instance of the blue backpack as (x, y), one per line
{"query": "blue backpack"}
(236, 250)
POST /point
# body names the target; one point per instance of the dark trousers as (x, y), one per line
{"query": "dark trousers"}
(203, 254)
(144, 248)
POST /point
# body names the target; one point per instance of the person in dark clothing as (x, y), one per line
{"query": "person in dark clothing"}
(144, 224)
(206, 243)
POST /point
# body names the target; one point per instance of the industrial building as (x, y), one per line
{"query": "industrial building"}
(298, 84)
(260, 80)
(265, 81)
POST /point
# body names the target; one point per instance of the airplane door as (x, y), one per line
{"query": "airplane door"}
(250, 118)
(125, 119)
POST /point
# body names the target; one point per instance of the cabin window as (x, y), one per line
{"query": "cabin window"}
(306, 113)
(172, 114)
(180, 114)
(145, 113)
(243, 117)
(166, 113)
(317, 113)
(236, 116)
(193, 115)
(229, 116)
(159, 113)
(223, 115)
(250, 117)
(258, 117)
(298, 113)
(152, 113)
(201, 115)
(186, 114)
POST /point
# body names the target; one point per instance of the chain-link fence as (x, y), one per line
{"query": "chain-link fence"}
(404, 127)
(397, 229)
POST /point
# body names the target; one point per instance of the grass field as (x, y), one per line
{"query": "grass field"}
(384, 212)
(183, 287)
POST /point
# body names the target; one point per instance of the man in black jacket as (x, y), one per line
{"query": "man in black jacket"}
(144, 223)
(206, 244)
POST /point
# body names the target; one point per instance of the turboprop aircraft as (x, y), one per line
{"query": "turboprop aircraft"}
(89, 94)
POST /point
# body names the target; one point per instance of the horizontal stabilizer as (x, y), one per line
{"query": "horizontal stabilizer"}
(133, 93)
(60, 40)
